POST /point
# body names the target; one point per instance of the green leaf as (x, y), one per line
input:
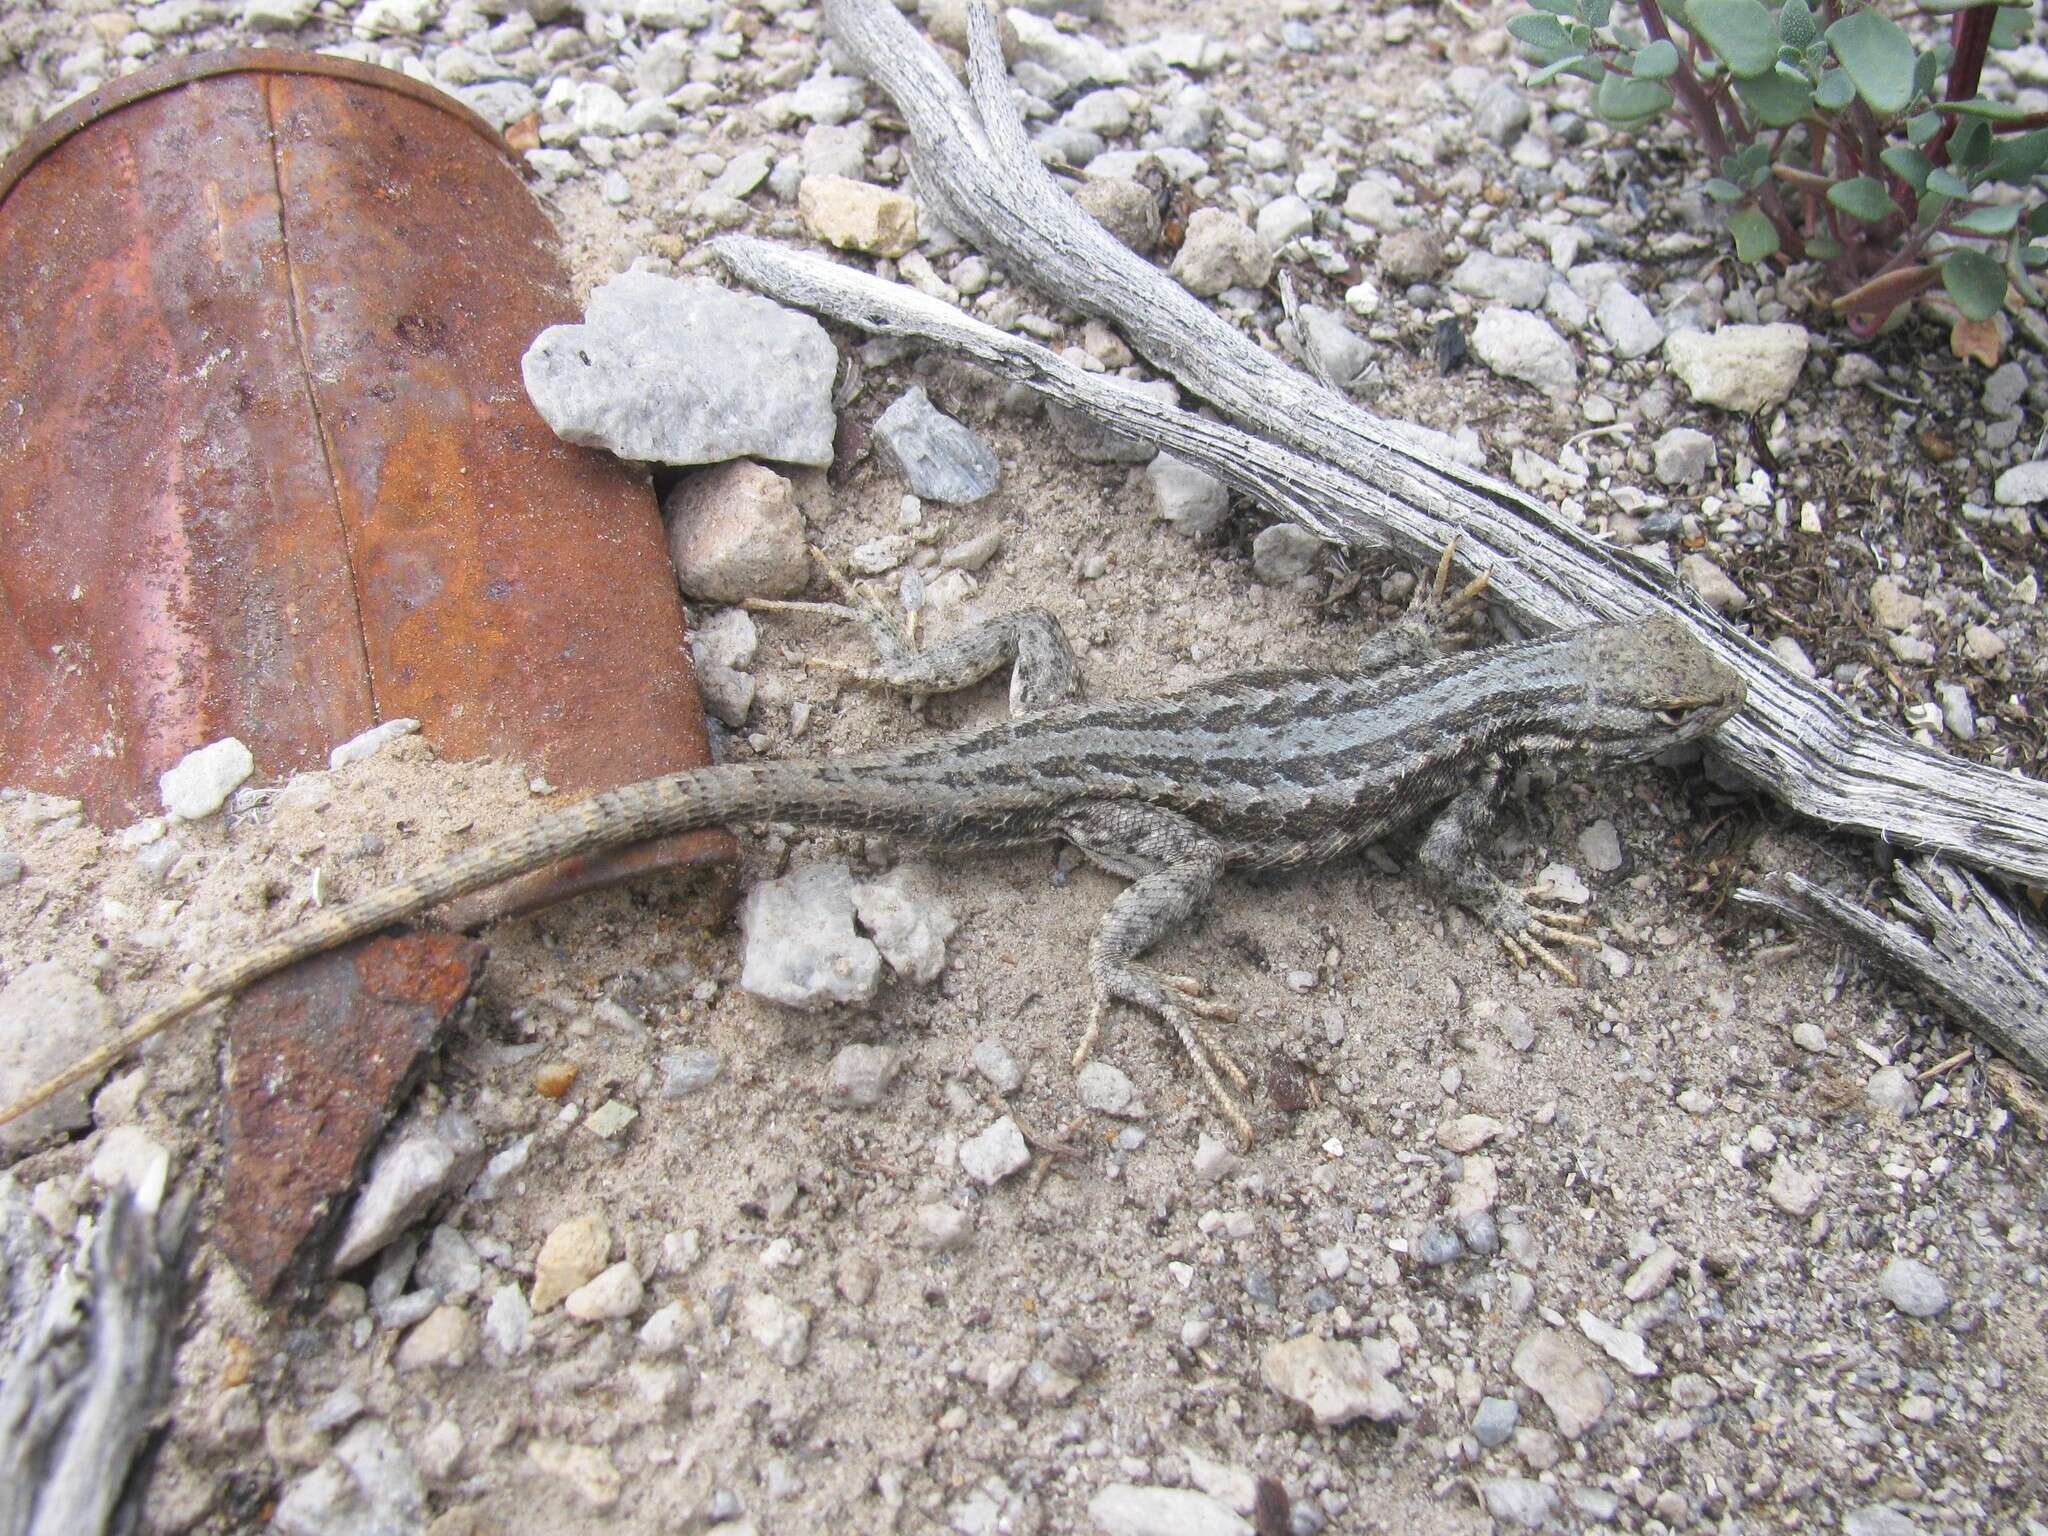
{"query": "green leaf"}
(1545, 34)
(1990, 111)
(1796, 26)
(1923, 126)
(1971, 146)
(1777, 102)
(1727, 192)
(1596, 12)
(1934, 207)
(1741, 33)
(2019, 159)
(1908, 164)
(1975, 282)
(2035, 255)
(1863, 197)
(1993, 219)
(2010, 26)
(1747, 164)
(1756, 237)
(1623, 101)
(1946, 183)
(2037, 221)
(1558, 7)
(1879, 57)
(1925, 69)
(1823, 247)
(1659, 61)
(1950, 7)
(1556, 67)
(1834, 91)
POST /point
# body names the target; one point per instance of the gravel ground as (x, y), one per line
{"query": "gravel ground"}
(1731, 1236)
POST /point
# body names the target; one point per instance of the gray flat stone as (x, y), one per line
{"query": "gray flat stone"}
(941, 458)
(685, 372)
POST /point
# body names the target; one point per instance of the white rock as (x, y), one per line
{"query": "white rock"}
(1683, 455)
(782, 1331)
(1108, 1091)
(1284, 218)
(996, 1153)
(127, 1158)
(1626, 322)
(1191, 499)
(1338, 1382)
(2023, 485)
(49, 1017)
(1889, 1092)
(1556, 1369)
(368, 744)
(941, 458)
(1913, 1288)
(1285, 553)
(1716, 588)
(942, 1227)
(801, 948)
(277, 15)
(1125, 1509)
(1467, 1133)
(687, 372)
(1221, 251)
(1518, 345)
(1741, 368)
(507, 1320)
(369, 1485)
(1653, 1274)
(612, 1293)
(1793, 1192)
(1510, 280)
(1624, 1347)
(861, 1074)
(202, 781)
(1518, 1500)
(407, 1176)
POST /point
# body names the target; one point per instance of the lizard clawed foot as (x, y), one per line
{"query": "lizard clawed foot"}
(1194, 992)
(1432, 607)
(1527, 932)
(1212, 1060)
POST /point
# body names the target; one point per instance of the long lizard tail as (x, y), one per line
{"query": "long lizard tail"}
(699, 797)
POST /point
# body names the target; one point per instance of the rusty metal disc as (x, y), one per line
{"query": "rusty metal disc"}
(267, 468)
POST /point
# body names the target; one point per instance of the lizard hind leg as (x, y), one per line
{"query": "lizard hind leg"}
(1030, 642)
(1174, 864)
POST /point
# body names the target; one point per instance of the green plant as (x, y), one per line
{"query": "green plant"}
(1832, 138)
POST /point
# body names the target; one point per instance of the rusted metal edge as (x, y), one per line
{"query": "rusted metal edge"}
(171, 74)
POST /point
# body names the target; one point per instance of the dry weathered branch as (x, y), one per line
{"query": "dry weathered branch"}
(1357, 479)
(80, 1397)
(1979, 956)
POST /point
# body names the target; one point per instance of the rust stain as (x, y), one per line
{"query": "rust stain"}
(321, 1057)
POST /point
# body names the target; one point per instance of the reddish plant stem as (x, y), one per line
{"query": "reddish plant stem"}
(1969, 34)
(1686, 86)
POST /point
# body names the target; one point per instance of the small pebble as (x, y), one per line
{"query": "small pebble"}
(1913, 1288)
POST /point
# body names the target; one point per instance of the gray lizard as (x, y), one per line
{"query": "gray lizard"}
(1266, 769)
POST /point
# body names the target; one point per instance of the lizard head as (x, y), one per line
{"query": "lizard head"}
(1651, 684)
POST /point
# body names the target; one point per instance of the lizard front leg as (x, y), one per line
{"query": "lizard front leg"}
(1434, 624)
(1449, 856)
(1172, 865)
